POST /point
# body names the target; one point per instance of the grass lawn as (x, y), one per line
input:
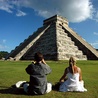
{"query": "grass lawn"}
(13, 71)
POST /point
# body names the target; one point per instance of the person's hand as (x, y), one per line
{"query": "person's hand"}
(61, 81)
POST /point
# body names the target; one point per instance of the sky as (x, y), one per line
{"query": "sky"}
(20, 18)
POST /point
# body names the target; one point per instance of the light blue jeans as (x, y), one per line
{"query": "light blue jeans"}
(49, 87)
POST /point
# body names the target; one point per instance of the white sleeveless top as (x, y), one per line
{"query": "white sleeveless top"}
(72, 84)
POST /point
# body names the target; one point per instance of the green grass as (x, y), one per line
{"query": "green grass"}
(13, 71)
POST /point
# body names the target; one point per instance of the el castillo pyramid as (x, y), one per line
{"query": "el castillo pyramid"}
(56, 41)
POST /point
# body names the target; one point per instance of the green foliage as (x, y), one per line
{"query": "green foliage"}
(13, 71)
(3, 54)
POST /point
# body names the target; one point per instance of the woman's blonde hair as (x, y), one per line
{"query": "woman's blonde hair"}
(72, 62)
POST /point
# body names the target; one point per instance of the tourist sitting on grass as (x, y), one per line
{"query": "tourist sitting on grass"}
(72, 78)
(38, 84)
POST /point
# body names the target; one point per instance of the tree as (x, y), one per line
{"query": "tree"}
(3, 54)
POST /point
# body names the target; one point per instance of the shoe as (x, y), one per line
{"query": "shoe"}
(19, 84)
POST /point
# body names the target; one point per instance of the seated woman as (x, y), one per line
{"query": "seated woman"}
(72, 78)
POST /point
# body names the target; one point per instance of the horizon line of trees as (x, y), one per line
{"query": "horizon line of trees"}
(3, 54)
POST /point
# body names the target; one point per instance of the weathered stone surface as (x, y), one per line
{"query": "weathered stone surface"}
(56, 41)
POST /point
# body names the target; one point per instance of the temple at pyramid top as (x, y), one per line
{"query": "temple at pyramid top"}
(56, 18)
(56, 41)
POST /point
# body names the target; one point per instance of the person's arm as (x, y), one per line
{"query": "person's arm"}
(29, 69)
(47, 68)
(43, 61)
(80, 74)
(62, 79)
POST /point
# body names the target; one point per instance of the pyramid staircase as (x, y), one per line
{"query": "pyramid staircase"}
(56, 41)
(20, 50)
(87, 49)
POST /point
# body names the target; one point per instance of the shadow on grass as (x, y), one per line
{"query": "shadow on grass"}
(15, 91)
(11, 90)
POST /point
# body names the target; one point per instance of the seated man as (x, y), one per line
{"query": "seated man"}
(38, 84)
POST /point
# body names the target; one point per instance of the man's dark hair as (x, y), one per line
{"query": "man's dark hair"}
(38, 56)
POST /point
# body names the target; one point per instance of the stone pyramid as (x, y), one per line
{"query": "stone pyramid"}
(56, 41)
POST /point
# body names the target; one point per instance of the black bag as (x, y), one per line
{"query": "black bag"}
(56, 86)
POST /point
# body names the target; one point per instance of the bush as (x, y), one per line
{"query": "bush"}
(3, 54)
